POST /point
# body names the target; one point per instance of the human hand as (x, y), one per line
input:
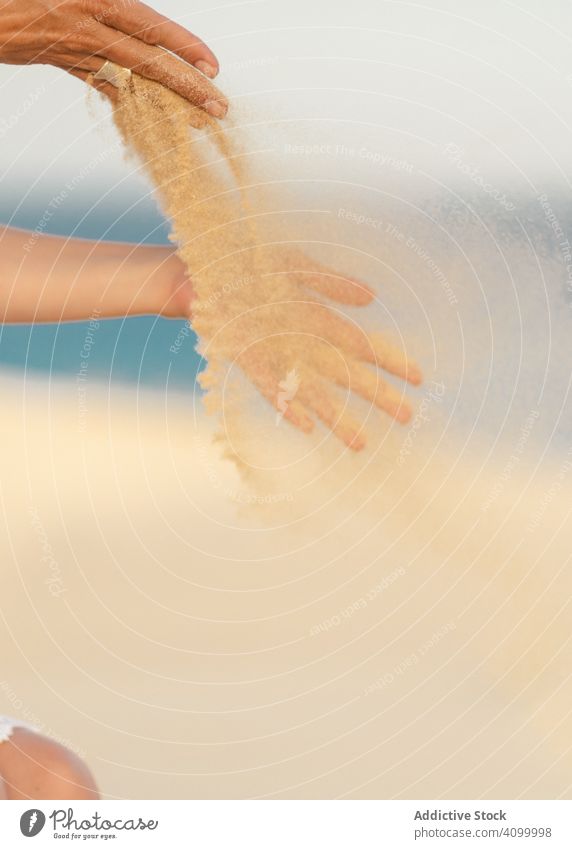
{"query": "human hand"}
(79, 36)
(296, 348)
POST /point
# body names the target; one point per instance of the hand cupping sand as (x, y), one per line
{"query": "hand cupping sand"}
(258, 304)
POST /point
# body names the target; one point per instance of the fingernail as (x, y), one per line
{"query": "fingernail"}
(206, 68)
(215, 108)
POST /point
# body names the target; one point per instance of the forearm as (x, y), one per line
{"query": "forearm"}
(53, 279)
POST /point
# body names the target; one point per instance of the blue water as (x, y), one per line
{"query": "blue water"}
(133, 349)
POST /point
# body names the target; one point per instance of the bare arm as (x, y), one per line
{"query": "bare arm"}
(35, 767)
(52, 279)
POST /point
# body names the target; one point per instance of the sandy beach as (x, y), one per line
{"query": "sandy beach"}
(414, 646)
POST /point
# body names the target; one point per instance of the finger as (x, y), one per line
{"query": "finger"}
(87, 77)
(142, 22)
(297, 415)
(330, 410)
(332, 284)
(264, 378)
(345, 290)
(162, 67)
(360, 379)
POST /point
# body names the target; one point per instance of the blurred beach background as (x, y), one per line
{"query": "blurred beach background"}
(390, 625)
